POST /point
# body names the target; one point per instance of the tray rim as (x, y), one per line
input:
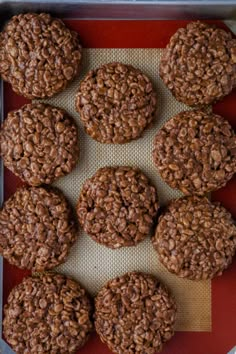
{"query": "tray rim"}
(125, 9)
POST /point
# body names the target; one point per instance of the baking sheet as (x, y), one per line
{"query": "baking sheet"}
(151, 34)
(93, 264)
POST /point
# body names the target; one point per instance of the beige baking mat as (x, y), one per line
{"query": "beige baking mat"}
(93, 264)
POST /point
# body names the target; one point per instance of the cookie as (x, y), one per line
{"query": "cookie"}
(195, 152)
(199, 64)
(37, 228)
(39, 143)
(49, 313)
(134, 313)
(116, 103)
(39, 55)
(117, 206)
(195, 239)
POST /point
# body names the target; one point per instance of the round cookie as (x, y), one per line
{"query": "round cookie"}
(195, 152)
(39, 55)
(117, 206)
(199, 64)
(195, 239)
(116, 102)
(37, 228)
(134, 313)
(49, 313)
(39, 143)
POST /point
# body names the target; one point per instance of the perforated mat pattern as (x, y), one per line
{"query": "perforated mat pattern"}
(93, 264)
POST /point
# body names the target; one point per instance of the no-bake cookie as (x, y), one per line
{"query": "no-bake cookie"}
(195, 152)
(116, 103)
(199, 64)
(37, 228)
(49, 313)
(195, 239)
(134, 313)
(39, 143)
(117, 206)
(39, 55)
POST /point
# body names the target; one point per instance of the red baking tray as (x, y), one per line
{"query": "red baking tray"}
(152, 34)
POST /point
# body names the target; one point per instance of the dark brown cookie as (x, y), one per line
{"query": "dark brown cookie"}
(37, 229)
(199, 64)
(195, 152)
(116, 103)
(39, 55)
(47, 314)
(134, 313)
(39, 143)
(117, 206)
(195, 239)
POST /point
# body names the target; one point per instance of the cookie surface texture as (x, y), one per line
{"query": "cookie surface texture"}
(39, 143)
(195, 152)
(195, 239)
(39, 55)
(47, 314)
(37, 228)
(117, 206)
(199, 64)
(116, 103)
(134, 313)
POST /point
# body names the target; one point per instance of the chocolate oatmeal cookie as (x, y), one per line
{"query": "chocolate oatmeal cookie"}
(116, 103)
(39, 143)
(134, 313)
(117, 206)
(37, 228)
(195, 152)
(39, 55)
(199, 64)
(49, 313)
(195, 239)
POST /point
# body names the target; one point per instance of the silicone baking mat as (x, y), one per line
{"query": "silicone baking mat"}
(198, 302)
(93, 264)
